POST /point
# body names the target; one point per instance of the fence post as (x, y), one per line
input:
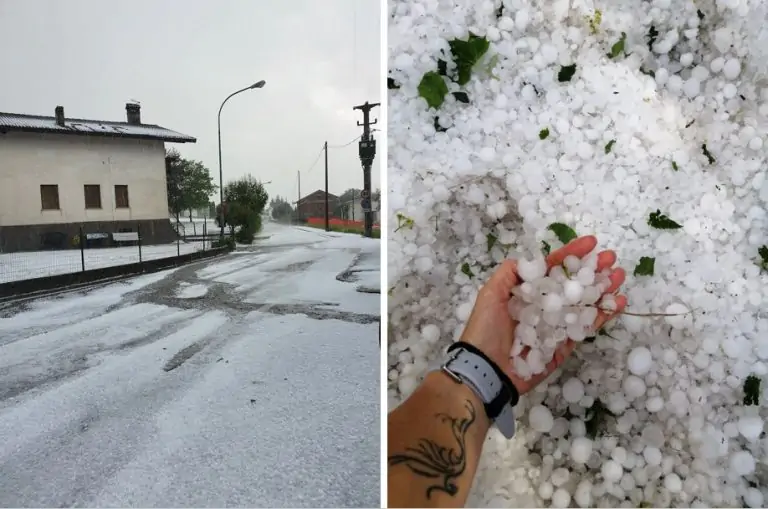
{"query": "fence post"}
(178, 245)
(138, 231)
(205, 232)
(82, 249)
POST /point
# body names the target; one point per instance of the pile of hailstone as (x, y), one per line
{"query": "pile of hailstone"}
(551, 306)
(663, 106)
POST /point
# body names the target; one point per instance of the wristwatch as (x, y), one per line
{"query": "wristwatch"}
(468, 365)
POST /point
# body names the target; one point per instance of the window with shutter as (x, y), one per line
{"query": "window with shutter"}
(92, 196)
(121, 197)
(49, 197)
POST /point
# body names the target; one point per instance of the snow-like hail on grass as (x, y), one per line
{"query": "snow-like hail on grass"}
(662, 395)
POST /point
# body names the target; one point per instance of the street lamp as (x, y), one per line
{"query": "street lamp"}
(258, 84)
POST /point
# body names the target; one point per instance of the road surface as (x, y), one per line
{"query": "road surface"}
(249, 380)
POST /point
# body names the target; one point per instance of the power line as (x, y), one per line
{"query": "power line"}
(346, 144)
(315, 163)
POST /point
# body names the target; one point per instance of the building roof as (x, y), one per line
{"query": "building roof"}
(41, 124)
(317, 195)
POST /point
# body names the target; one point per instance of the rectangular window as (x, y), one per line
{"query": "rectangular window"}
(49, 196)
(92, 196)
(121, 197)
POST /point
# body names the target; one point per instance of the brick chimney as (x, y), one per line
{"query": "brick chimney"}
(133, 113)
(60, 116)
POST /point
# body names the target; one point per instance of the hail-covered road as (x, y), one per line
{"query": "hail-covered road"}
(248, 380)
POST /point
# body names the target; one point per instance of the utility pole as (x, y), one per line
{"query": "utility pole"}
(298, 214)
(327, 217)
(367, 151)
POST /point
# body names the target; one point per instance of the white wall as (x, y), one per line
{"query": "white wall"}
(359, 214)
(28, 160)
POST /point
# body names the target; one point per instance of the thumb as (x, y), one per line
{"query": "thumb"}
(505, 278)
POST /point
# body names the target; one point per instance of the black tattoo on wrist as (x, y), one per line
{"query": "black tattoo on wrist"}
(434, 461)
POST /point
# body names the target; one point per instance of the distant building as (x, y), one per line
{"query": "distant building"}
(356, 212)
(313, 205)
(59, 174)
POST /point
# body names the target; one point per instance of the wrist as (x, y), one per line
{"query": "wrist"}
(442, 386)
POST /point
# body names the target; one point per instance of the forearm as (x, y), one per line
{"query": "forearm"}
(435, 440)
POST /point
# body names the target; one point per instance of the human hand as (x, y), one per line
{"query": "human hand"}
(491, 328)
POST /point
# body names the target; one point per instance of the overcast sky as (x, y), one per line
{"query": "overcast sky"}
(181, 58)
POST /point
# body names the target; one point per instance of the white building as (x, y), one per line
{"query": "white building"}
(58, 175)
(357, 211)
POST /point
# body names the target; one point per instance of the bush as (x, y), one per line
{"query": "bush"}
(248, 231)
(227, 242)
(245, 235)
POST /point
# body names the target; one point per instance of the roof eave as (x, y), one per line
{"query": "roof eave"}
(186, 139)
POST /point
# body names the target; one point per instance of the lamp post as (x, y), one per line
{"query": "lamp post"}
(258, 84)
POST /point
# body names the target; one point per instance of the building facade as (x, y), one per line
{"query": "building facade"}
(59, 175)
(313, 205)
(356, 211)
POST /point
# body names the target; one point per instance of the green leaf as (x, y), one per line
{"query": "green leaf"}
(763, 252)
(462, 97)
(594, 21)
(645, 266)
(466, 270)
(566, 73)
(442, 67)
(491, 240)
(700, 14)
(392, 84)
(644, 504)
(674, 166)
(647, 72)
(403, 221)
(433, 89)
(564, 232)
(609, 146)
(709, 156)
(662, 222)
(752, 390)
(466, 54)
(544, 133)
(500, 11)
(545, 247)
(618, 48)
(652, 35)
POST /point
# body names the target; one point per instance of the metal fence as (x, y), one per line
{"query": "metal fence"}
(98, 250)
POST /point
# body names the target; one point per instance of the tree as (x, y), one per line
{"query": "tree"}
(189, 183)
(347, 200)
(281, 209)
(244, 201)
